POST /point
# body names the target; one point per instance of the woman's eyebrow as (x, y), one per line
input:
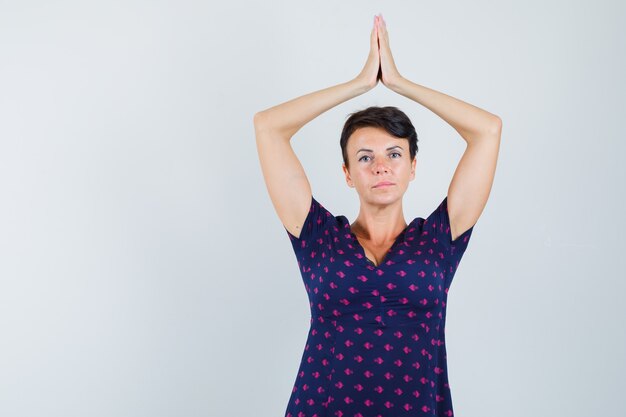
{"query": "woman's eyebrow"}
(369, 150)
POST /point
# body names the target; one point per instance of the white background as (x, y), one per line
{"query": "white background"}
(144, 272)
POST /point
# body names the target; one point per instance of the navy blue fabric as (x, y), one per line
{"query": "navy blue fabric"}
(376, 342)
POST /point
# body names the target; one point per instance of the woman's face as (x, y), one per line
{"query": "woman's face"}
(375, 156)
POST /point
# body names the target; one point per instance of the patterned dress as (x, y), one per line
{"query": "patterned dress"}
(376, 343)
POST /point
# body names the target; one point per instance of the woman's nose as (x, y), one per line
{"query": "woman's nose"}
(380, 167)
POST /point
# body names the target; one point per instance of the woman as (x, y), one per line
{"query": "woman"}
(377, 287)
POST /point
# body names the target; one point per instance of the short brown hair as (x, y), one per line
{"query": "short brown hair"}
(390, 118)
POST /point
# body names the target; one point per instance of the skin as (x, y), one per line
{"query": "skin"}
(380, 219)
(380, 65)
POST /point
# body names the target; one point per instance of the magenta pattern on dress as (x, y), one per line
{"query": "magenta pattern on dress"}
(376, 343)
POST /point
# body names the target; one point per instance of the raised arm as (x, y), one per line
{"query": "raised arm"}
(286, 181)
(471, 184)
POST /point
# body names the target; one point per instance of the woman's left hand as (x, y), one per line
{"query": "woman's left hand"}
(390, 75)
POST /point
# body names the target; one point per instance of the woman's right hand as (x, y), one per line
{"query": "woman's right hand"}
(370, 74)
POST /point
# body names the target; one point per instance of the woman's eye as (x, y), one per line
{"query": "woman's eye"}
(393, 153)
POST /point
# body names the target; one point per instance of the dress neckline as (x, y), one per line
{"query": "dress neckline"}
(361, 250)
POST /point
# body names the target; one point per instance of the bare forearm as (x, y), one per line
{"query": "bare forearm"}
(290, 116)
(470, 121)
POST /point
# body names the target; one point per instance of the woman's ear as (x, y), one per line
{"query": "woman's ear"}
(347, 174)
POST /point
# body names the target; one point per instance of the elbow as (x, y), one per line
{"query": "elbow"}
(496, 126)
(258, 118)
(260, 121)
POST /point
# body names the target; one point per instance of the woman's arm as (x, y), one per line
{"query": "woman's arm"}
(285, 178)
(286, 181)
(287, 118)
(473, 178)
(471, 184)
(471, 122)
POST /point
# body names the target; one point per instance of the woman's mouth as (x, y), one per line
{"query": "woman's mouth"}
(383, 184)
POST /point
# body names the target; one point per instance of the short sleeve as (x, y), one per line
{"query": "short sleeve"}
(317, 221)
(438, 224)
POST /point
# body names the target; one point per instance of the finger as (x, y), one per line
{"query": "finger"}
(374, 38)
(383, 34)
(382, 24)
